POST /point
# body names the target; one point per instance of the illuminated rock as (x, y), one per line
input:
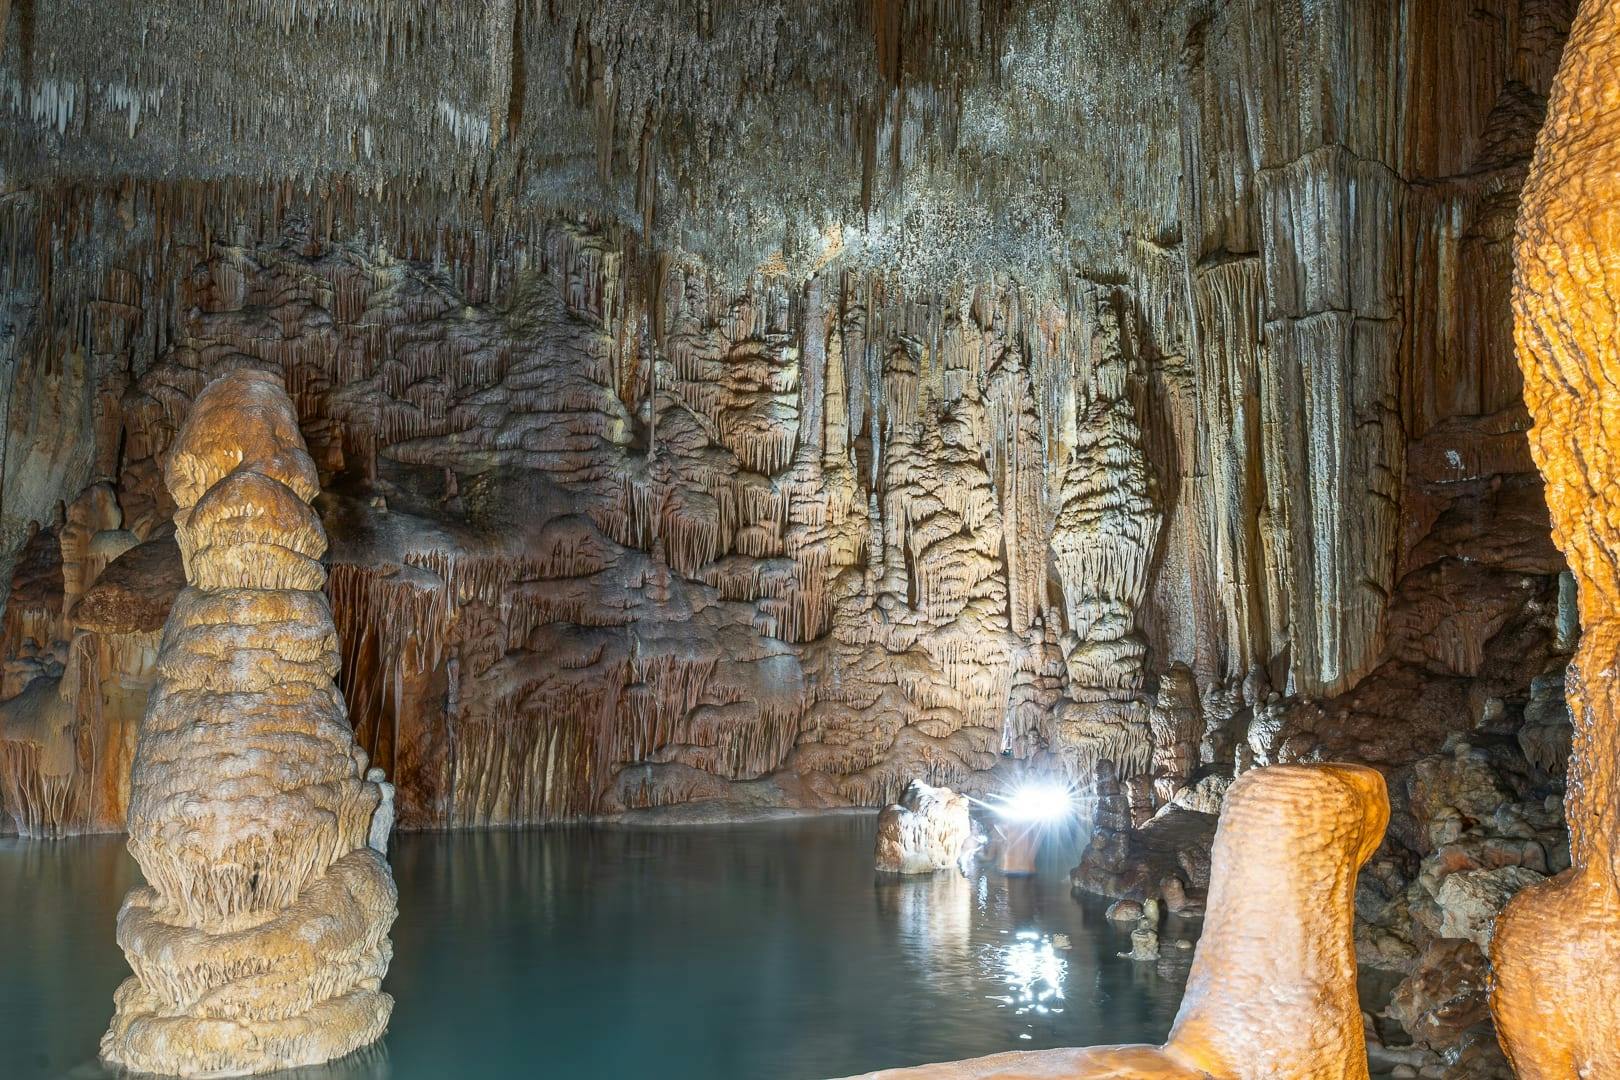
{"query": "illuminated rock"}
(1272, 993)
(929, 829)
(261, 940)
(1556, 949)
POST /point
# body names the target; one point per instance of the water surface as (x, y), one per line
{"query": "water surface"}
(695, 953)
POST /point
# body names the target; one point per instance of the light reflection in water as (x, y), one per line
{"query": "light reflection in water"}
(1033, 971)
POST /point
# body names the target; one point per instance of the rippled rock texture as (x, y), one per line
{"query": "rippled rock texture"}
(260, 941)
(1556, 949)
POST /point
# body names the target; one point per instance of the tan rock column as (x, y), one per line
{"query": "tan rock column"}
(261, 940)
(1556, 949)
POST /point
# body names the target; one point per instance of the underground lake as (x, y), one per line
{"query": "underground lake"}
(712, 951)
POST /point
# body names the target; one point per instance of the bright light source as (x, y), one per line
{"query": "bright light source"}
(1036, 801)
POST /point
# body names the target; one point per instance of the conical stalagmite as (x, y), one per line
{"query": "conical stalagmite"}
(261, 940)
(1556, 949)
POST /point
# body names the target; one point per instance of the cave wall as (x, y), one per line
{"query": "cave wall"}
(705, 416)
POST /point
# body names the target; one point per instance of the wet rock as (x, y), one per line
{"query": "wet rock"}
(1125, 911)
(929, 829)
(1133, 864)
(1179, 901)
(1144, 943)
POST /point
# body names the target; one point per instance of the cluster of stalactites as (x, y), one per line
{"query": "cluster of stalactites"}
(261, 940)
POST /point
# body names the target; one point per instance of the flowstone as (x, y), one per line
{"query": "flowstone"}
(1556, 948)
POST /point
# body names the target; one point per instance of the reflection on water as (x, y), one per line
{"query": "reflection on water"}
(1034, 972)
(714, 952)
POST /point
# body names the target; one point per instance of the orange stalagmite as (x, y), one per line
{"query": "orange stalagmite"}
(261, 940)
(1556, 949)
(1272, 994)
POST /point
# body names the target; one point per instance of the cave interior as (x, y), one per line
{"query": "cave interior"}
(677, 414)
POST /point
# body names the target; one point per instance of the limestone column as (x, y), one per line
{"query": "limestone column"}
(261, 940)
(1556, 949)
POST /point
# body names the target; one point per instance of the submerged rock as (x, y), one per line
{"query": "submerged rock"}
(1124, 911)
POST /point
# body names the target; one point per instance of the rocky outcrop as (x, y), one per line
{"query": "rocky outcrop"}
(1272, 993)
(928, 829)
(261, 940)
(79, 648)
(1556, 949)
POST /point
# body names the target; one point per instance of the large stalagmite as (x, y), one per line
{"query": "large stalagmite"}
(262, 939)
(1272, 994)
(1557, 946)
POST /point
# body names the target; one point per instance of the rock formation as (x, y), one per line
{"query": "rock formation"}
(1272, 994)
(1556, 949)
(635, 502)
(928, 829)
(261, 940)
(80, 645)
(1107, 525)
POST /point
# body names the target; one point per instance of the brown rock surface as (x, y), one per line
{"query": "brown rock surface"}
(1445, 995)
(929, 829)
(134, 593)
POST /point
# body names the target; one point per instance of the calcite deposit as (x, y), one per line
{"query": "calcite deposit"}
(1272, 994)
(260, 941)
(929, 829)
(1556, 949)
(81, 639)
(767, 407)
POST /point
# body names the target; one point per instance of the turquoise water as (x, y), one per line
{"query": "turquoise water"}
(713, 952)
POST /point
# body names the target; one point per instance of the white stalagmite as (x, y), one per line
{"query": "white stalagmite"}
(261, 940)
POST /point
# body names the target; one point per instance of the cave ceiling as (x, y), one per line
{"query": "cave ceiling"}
(937, 140)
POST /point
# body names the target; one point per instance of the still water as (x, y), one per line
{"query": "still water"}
(695, 953)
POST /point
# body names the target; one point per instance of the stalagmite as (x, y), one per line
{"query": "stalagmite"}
(928, 829)
(261, 940)
(1272, 993)
(1556, 948)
